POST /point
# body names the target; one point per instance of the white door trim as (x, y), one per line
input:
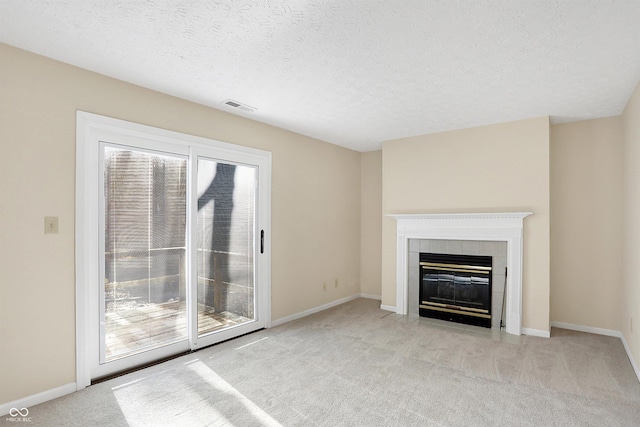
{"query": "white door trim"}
(89, 130)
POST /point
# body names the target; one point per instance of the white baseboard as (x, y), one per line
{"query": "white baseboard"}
(388, 307)
(601, 331)
(36, 399)
(313, 310)
(589, 329)
(536, 332)
(371, 296)
(628, 350)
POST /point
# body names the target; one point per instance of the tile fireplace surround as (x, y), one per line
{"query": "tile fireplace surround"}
(497, 250)
(502, 226)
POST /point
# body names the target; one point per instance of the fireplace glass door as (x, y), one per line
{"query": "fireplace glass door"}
(456, 287)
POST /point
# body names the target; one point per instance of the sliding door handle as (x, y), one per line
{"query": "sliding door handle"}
(261, 241)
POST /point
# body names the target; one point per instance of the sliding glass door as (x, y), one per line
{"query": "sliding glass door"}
(225, 239)
(180, 246)
(144, 296)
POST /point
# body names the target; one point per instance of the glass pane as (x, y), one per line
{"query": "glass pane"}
(145, 216)
(226, 208)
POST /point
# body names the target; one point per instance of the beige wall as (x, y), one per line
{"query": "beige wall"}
(503, 167)
(586, 231)
(327, 206)
(631, 226)
(315, 207)
(371, 222)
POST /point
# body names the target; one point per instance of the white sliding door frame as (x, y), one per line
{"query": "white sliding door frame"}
(91, 132)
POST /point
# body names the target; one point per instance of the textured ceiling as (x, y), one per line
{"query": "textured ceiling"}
(353, 73)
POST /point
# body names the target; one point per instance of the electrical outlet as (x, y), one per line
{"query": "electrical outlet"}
(324, 286)
(50, 225)
(336, 283)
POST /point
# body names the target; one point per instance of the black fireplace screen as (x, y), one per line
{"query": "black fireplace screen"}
(456, 288)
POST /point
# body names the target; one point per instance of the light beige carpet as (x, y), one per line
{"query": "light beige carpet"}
(356, 365)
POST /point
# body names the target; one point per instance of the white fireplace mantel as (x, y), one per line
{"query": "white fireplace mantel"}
(502, 226)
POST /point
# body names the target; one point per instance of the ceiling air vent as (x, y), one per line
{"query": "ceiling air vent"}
(239, 105)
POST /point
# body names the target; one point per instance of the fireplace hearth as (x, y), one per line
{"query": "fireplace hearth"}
(456, 288)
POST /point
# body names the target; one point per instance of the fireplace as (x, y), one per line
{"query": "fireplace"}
(500, 226)
(456, 288)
